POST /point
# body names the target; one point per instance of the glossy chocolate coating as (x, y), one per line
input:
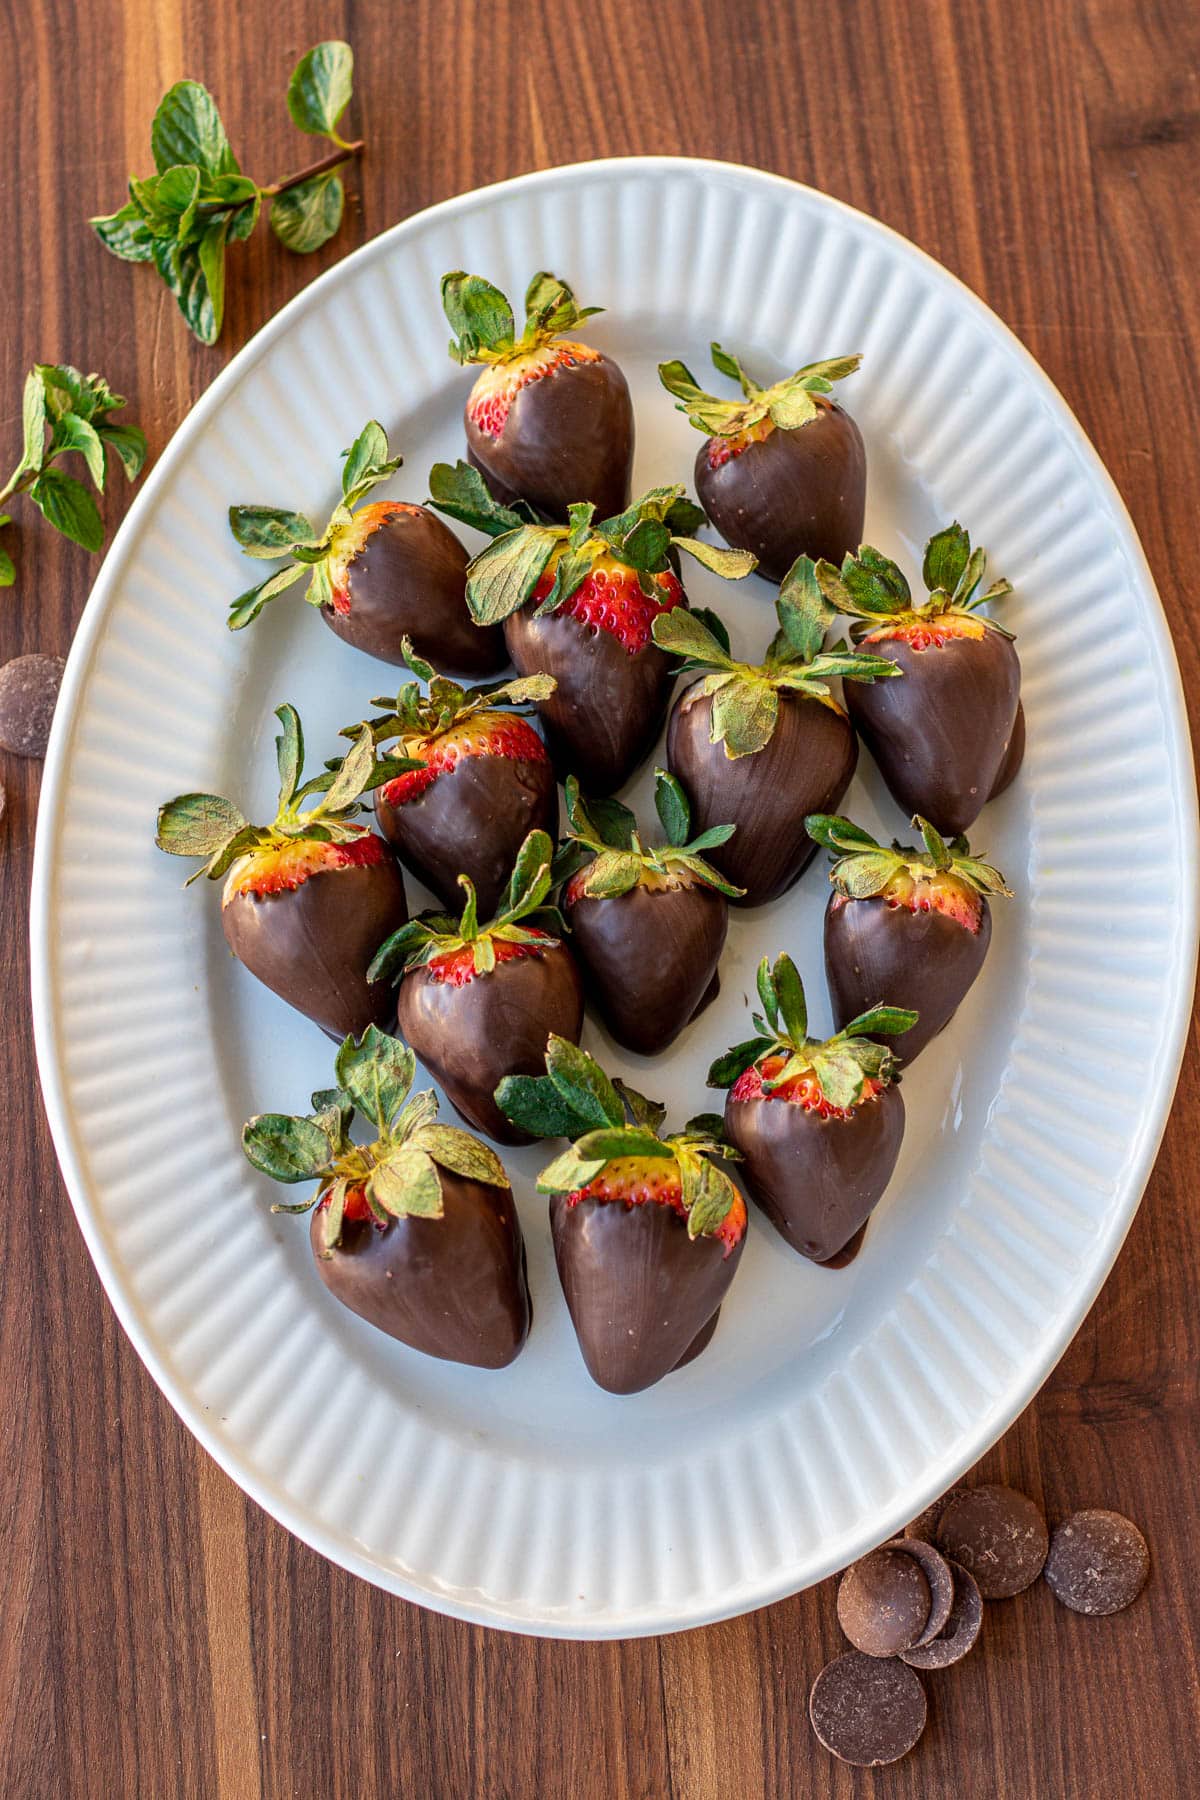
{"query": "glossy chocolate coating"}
(940, 730)
(818, 1180)
(649, 958)
(410, 579)
(1014, 756)
(638, 1289)
(313, 944)
(472, 820)
(794, 493)
(805, 768)
(604, 716)
(453, 1287)
(922, 960)
(567, 437)
(471, 1037)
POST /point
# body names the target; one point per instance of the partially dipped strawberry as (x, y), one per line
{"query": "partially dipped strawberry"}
(647, 924)
(476, 1002)
(782, 472)
(648, 1230)
(911, 925)
(549, 420)
(579, 603)
(941, 736)
(307, 898)
(416, 1230)
(756, 744)
(819, 1123)
(478, 780)
(378, 574)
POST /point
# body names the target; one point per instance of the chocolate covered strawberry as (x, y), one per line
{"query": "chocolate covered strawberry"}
(648, 1230)
(477, 1002)
(378, 574)
(782, 472)
(819, 1123)
(549, 420)
(757, 744)
(309, 897)
(579, 602)
(647, 923)
(477, 780)
(416, 1230)
(941, 736)
(910, 925)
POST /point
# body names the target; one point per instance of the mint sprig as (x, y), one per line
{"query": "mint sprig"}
(212, 828)
(842, 1065)
(525, 917)
(745, 696)
(787, 404)
(607, 1121)
(183, 218)
(399, 1172)
(604, 843)
(64, 412)
(268, 533)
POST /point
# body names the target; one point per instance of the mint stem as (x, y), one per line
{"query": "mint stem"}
(334, 160)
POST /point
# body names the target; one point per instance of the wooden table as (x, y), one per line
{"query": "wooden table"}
(160, 1636)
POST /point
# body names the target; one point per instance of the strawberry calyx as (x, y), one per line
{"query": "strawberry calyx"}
(270, 533)
(838, 1073)
(396, 1175)
(485, 330)
(785, 405)
(945, 878)
(457, 951)
(603, 855)
(874, 591)
(746, 696)
(617, 560)
(435, 726)
(619, 1154)
(316, 825)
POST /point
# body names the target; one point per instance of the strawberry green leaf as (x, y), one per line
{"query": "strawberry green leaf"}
(332, 1215)
(468, 925)
(353, 773)
(649, 1114)
(271, 531)
(550, 308)
(406, 1184)
(568, 1172)
(946, 557)
(712, 838)
(459, 491)
(744, 716)
(605, 1145)
(804, 612)
(286, 1148)
(306, 216)
(582, 1083)
(479, 316)
(461, 1153)
(684, 633)
(727, 364)
(503, 576)
(888, 1020)
(767, 992)
(367, 462)
(530, 880)
(934, 843)
(708, 1193)
(600, 821)
(197, 824)
(377, 1073)
(187, 128)
(321, 87)
(730, 565)
(534, 1104)
(726, 1069)
(289, 753)
(792, 1006)
(612, 874)
(246, 608)
(837, 833)
(672, 806)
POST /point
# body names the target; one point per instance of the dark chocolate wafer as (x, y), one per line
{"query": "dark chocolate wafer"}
(938, 1574)
(1098, 1562)
(866, 1709)
(999, 1535)
(883, 1602)
(960, 1631)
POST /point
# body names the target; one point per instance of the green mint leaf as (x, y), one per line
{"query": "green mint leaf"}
(479, 316)
(187, 128)
(271, 531)
(197, 824)
(582, 1084)
(125, 234)
(33, 420)
(945, 560)
(321, 87)
(180, 266)
(212, 266)
(459, 491)
(128, 442)
(73, 433)
(246, 608)
(377, 1073)
(66, 504)
(534, 1104)
(407, 1185)
(726, 1069)
(504, 575)
(792, 1006)
(176, 197)
(306, 216)
(672, 806)
(240, 224)
(461, 1153)
(286, 1148)
(730, 565)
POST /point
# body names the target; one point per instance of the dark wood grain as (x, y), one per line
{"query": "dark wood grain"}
(159, 1636)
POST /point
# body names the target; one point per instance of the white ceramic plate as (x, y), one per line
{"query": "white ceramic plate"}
(831, 1407)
